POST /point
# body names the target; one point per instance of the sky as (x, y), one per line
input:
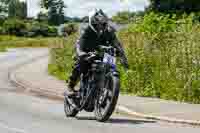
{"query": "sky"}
(80, 8)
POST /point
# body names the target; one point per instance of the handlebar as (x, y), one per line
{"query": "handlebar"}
(101, 47)
(100, 52)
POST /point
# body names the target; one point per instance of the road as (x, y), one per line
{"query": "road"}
(21, 112)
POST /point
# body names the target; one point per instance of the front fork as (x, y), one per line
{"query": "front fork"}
(101, 74)
(98, 69)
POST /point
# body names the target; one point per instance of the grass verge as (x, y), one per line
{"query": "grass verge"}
(18, 42)
(2, 49)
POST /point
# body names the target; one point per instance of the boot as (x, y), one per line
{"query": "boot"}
(70, 89)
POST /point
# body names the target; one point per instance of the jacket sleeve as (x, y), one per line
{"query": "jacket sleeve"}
(80, 44)
(120, 51)
(79, 51)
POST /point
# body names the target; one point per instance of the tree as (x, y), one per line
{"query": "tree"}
(175, 5)
(17, 9)
(4, 6)
(24, 12)
(55, 10)
(42, 17)
(61, 11)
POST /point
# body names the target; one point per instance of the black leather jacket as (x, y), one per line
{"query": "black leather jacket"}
(89, 41)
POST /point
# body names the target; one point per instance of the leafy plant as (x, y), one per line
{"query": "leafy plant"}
(69, 29)
(163, 53)
(14, 27)
(62, 57)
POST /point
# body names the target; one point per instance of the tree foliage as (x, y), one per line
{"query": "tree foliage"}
(14, 27)
(4, 6)
(55, 10)
(42, 17)
(175, 5)
(17, 9)
(163, 52)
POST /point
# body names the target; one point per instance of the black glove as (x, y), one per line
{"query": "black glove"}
(125, 63)
(83, 55)
(126, 66)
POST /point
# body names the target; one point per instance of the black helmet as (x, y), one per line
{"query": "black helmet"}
(98, 21)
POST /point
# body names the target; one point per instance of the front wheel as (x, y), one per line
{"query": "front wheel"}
(70, 110)
(107, 99)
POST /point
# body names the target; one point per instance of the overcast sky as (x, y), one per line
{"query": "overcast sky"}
(81, 8)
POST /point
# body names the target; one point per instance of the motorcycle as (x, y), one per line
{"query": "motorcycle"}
(99, 88)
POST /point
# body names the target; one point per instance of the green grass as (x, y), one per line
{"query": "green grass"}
(2, 49)
(61, 58)
(163, 58)
(54, 70)
(17, 42)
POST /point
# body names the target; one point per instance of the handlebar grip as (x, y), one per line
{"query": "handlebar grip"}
(91, 57)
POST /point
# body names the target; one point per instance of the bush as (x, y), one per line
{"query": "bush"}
(61, 58)
(41, 29)
(122, 17)
(126, 17)
(37, 29)
(2, 19)
(1, 31)
(29, 29)
(15, 27)
(52, 31)
(69, 29)
(163, 55)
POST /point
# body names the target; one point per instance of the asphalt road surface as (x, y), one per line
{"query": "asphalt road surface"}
(21, 112)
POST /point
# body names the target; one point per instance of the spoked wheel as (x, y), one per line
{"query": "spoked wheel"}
(107, 99)
(69, 108)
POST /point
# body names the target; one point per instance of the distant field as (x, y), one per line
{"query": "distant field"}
(14, 42)
(2, 49)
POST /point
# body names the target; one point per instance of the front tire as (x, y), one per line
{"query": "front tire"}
(70, 111)
(111, 100)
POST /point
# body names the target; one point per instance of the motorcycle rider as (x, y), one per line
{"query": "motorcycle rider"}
(98, 32)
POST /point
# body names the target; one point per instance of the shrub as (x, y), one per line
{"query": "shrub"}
(126, 17)
(41, 29)
(69, 29)
(14, 27)
(61, 58)
(1, 30)
(2, 19)
(52, 31)
(38, 29)
(28, 28)
(163, 55)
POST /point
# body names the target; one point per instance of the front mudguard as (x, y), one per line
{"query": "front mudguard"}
(115, 73)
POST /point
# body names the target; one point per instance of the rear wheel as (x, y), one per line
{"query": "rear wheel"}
(107, 99)
(69, 108)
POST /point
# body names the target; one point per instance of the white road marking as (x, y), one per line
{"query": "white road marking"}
(15, 130)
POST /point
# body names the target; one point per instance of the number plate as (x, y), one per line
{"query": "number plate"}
(108, 59)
